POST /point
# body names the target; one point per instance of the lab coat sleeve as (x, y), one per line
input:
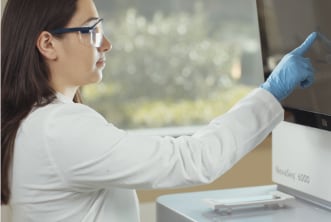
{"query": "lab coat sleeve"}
(91, 153)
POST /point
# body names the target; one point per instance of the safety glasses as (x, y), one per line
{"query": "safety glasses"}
(88, 35)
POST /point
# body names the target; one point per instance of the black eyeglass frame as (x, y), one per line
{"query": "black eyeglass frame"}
(83, 30)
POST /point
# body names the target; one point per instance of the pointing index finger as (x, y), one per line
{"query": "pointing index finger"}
(305, 45)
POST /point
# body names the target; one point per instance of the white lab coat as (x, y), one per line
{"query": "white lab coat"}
(71, 165)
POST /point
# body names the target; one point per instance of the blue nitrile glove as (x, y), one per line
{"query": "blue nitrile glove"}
(293, 70)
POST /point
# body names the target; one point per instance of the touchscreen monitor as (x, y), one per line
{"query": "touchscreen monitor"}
(284, 25)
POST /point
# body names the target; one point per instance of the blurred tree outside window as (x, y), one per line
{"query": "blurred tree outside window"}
(176, 62)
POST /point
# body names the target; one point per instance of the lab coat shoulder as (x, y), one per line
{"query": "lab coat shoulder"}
(77, 126)
(76, 135)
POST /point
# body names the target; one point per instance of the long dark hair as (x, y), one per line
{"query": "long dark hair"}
(25, 77)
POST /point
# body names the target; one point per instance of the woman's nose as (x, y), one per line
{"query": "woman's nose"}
(106, 46)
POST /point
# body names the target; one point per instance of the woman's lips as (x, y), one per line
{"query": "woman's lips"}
(101, 62)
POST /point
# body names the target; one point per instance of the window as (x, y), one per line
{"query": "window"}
(176, 62)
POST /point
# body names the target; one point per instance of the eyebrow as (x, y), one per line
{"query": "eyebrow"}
(90, 19)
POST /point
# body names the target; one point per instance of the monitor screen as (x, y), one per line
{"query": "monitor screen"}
(284, 25)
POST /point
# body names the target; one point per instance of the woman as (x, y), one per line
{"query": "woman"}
(62, 161)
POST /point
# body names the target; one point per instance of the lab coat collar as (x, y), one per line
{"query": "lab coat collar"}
(62, 98)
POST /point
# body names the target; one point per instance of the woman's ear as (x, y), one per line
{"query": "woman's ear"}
(46, 45)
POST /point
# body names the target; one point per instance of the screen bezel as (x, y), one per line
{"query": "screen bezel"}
(302, 117)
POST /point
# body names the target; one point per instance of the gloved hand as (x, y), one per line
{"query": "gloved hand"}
(293, 70)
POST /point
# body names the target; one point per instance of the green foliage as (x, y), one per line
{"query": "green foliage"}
(184, 112)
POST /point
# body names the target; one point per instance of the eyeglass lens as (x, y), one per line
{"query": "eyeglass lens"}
(97, 38)
(94, 37)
